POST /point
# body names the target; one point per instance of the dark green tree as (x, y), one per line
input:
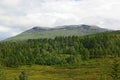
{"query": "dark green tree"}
(85, 55)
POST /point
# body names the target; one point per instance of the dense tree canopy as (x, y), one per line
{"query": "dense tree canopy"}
(60, 50)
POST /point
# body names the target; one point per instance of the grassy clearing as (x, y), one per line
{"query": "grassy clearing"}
(85, 70)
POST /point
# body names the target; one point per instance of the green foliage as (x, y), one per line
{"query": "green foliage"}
(85, 54)
(23, 76)
(16, 79)
(92, 69)
(60, 50)
(2, 75)
(102, 77)
(115, 73)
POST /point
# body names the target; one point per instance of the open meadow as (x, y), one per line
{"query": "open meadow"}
(95, 69)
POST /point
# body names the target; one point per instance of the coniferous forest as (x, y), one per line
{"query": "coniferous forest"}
(60, 50)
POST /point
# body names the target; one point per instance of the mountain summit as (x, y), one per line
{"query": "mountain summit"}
(67, 30)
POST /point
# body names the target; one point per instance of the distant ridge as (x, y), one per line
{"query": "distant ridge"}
(66, 30)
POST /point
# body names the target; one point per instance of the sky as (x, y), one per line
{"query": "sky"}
(17, 16)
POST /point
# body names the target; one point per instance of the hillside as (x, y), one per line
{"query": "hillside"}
(60, 50)
(70, 30)
(62, 58)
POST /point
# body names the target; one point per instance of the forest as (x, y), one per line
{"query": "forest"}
(60, 50)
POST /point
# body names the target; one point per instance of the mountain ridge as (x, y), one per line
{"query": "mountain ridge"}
(66, 30)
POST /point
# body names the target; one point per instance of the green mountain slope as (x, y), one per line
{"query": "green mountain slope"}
(38, 32)
(60, 50)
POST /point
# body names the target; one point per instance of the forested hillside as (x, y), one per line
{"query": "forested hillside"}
(60, 50)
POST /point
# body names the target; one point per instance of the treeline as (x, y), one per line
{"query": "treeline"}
(60, 50)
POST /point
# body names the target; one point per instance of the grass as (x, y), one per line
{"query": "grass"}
(85, 70)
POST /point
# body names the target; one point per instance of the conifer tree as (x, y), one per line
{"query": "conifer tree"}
(115, 73)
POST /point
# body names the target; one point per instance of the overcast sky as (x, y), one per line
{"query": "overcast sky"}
(19, 15)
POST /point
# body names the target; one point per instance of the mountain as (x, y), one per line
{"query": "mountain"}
(67, 30)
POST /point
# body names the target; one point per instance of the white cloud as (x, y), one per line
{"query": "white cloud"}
(23, 14)
(9, 3)
(4, 29)
(7, 32)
